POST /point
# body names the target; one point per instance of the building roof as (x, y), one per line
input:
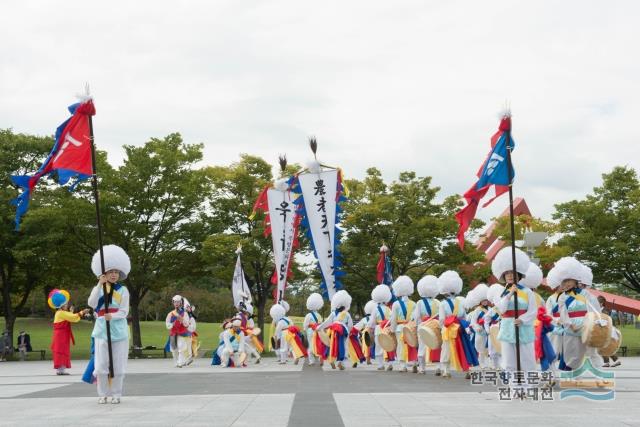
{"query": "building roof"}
(619, 302)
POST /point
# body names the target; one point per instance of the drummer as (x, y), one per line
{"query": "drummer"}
(381, 295)
(401, 312)
(366, 343)
(426, 309)
(573, 308)
(311, 321)
(592, 306)
(453, 324)
(338, 326)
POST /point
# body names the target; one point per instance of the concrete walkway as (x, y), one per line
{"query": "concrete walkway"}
(268, 394)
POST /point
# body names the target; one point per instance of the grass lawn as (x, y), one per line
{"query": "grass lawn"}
(153, 333)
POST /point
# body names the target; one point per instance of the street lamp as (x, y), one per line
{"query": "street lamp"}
(532, 239)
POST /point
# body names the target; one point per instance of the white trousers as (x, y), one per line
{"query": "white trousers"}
(527, 359)
(283, 352)
(310, 356)
(573, 351)
(183, 352)
(480, 343)
(594, 357)
(226, 354)
(120, 354)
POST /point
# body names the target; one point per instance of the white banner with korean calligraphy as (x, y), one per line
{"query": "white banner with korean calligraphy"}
(319, 193)
(239, 286)
(282, 218)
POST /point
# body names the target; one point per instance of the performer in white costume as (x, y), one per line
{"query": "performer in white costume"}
(362, 327)
(493, 320)
(181, 326)
(117, 266)
(502, 268)
(381, 294)
(310, 325)
(233, 344)
(426, 309)
(593, 305)
(401, 312)
(477, 319)
(338, 325)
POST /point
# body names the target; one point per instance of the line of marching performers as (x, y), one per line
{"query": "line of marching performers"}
(453, 332)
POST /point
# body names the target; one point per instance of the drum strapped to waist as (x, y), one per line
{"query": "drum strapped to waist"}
(366, 336)
(410, 333)
(275, 343)
(615, 339)
(387, 339)
(430, 333)
(596, 330)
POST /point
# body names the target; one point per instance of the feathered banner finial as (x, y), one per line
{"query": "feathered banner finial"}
(239, 248)
(313, 143)
(283, 162)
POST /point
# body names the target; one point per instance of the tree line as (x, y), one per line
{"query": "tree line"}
(180, 222)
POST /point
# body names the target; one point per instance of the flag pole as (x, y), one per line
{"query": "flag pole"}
(106, 295)
(507, 134)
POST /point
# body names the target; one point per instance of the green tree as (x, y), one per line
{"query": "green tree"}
(603, 229)
(155, 208)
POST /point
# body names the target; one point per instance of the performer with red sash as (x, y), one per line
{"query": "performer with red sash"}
(593, 305)
(62, 337)
(379, 320)
(117, 266)
(181, 327)
(288, 337)
(338, 325)
(316, 349)
(252, 344)
(573, 308)
(502, 268)
(457, 349)
(492, 321)
(366, 343)
(426, 309)
(401, 312)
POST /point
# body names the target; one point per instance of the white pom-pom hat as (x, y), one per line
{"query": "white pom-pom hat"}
(403, 286)
(553, 280)
(315, 302)
(449, 282)
(381, 294)
(428, 286)
(494, 292)
(369, 307)
(533, 278)
(286, 305)
(470, 300)
(569, 268)
(587, 276)
(341, 299)
(277, 312)
(503, 262)
(115, 258)
(480, 292)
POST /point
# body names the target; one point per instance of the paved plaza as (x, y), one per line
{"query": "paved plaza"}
(268, 394)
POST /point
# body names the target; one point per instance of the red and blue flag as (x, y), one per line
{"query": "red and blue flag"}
(384, 273)
(494, 171)
(69, 158)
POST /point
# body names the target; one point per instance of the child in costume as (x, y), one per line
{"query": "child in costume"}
(338, 326)
(112, 307)
(401, 312)
(545, 355)
(62, 334)
(316, 349)
(381, 295)
(457, 350)
(524, 317)
(592, 306)
(181, 326)
(426, 309)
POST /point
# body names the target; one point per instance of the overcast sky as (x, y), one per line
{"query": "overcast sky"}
(400, 85)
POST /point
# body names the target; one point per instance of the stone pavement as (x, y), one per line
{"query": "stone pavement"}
(268, 394)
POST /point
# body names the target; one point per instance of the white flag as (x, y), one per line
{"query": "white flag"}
(319, 197)
(239, 286)
(282, 218)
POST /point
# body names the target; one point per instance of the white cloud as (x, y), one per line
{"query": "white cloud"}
(398, 85)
